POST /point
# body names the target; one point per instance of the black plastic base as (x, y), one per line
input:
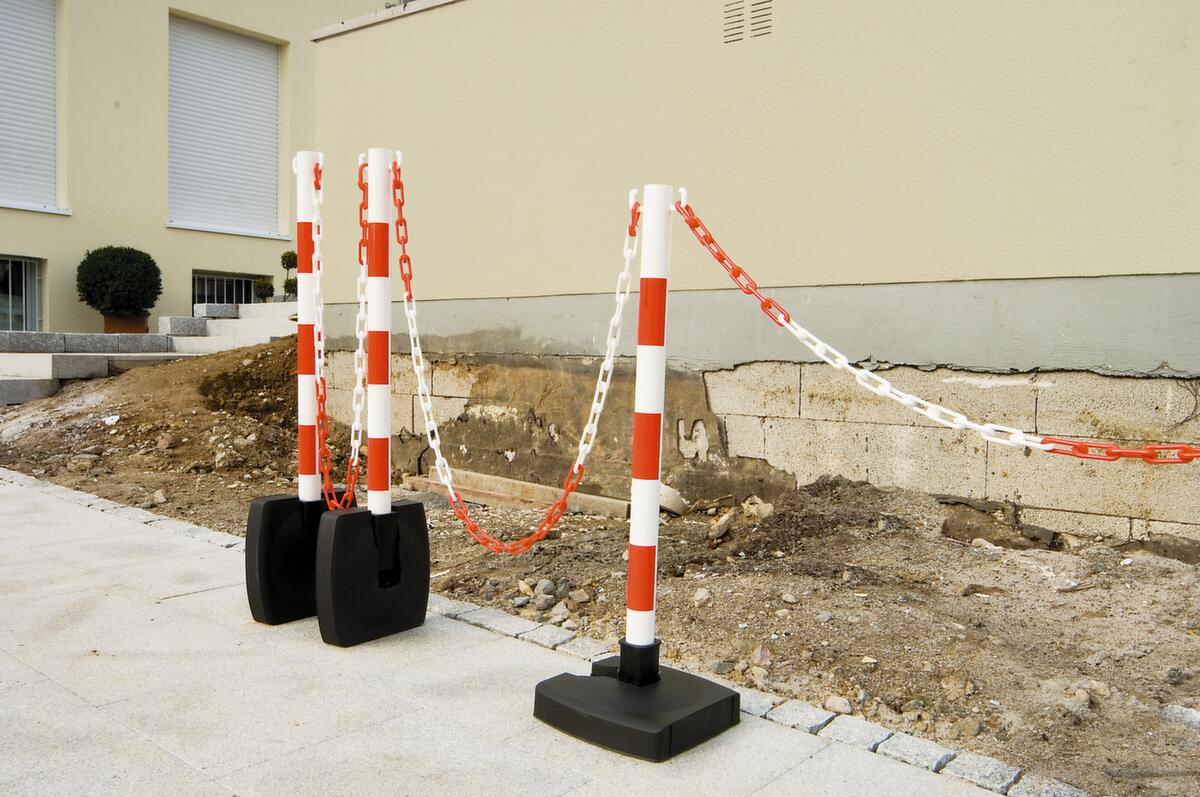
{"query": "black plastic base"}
(655, 719)
(372, 573)
(281, 556)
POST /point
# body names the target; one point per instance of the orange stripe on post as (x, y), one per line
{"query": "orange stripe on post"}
(304, 247)
(378, 464)
(306, 358)
(308, 450)
(652, 312)
(647, 444)
(377, 357)
(639, 595)
(377, 248)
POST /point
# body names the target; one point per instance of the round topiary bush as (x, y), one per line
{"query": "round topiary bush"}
(119, 281)
(263, 288)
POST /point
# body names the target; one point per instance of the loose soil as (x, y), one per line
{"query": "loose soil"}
(1059, 662)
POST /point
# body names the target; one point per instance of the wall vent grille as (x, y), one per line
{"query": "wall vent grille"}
(746, 19)
(761, 13)
(733, 25)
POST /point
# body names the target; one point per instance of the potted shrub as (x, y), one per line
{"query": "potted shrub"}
(122, 283)
(263, 288)
(289, 287)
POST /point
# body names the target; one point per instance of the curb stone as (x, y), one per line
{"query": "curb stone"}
(1037, 786)
(979, 770)
(798, 714)
(983, 771)
(856, 731)
(548, 636)
(916, 751)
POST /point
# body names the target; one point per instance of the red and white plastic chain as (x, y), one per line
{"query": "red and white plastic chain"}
(587, 437)
(324, 456)
(1158, 454)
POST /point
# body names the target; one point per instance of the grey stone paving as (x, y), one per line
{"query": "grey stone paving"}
(918, 752)
(856, 731)
(983, 771)
(1035, 786)
(798, 714)
(129, 664)
(548, 636)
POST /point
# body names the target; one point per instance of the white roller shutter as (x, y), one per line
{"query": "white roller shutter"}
(28, 110)
(223, 170)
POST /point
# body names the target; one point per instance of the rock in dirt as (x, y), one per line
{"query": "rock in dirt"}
(788, 597)
(544, 587)
(723, 667)
(579, 595)
(671, 500)
(702, 597)
(524, 588)
(721, 526)
(757, 508)
(762, 656)
(838, 705)
(824, 617)
(544, 601)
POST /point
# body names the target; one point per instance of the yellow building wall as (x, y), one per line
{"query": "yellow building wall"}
(112, 94)
(860, 142)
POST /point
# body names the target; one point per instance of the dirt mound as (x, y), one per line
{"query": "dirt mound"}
(193, 438)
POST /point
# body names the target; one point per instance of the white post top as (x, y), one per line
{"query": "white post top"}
(302, 166)
(656, 230)
(379, 184)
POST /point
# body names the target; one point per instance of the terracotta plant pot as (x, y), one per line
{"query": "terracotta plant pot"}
(126, 323)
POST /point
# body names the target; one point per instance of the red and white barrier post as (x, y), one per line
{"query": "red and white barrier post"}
(629, 703)
(648, 396)
(306, 388)
(380, 213)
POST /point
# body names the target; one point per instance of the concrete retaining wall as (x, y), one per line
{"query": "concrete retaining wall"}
(763, 426)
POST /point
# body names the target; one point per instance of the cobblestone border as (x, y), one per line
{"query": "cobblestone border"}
(982, 771)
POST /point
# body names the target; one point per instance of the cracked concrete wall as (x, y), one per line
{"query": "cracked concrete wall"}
(762, 427)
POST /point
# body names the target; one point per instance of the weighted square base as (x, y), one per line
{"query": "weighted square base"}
(372, 573)
(281, 556)
(654, 721)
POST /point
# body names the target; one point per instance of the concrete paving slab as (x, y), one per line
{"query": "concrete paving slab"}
(15, 673)
(135, 767)
(448, 607)
(173, 688)
(408, 755)
(848, 771)
(46, 726)
(741, 760)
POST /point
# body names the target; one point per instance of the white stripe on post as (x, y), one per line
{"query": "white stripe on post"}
(649, 386)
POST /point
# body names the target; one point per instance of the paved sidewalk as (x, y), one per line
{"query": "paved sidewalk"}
(129, 665)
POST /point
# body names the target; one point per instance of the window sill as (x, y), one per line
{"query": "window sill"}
(273, 236)
(34, 208)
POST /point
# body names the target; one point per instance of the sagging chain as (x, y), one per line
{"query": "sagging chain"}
(324, 457)
(1158, 454)
(587, 437)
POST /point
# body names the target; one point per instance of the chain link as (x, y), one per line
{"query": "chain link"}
(587, 437)
(1158, 454)
(993, 433)
(325, 457)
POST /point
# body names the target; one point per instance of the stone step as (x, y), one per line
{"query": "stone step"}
(211, 344)
(53, 366)
(82, 342)
(276, 327)
(267, 310)
(18, 391)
